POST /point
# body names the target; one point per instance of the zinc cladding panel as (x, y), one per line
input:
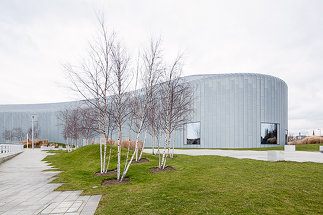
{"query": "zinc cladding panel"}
(262, 103)
(237, 122)
(207, 122)
(246, 116)
(227, 109)
(199, 113)
(258, 110)
(253, 122)
(240, 130)
(232, 112)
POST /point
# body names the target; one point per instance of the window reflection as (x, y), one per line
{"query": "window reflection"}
(193, 134)
(269, 133)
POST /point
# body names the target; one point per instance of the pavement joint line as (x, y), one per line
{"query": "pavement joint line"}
(25, 187)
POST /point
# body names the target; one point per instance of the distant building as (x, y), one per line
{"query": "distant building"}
(230, 111)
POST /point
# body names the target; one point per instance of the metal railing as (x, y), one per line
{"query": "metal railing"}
(11, 148)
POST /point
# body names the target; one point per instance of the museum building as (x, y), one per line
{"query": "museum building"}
(238, 110)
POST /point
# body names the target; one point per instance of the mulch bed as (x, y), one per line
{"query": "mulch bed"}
(110, 172)
(142, 160)
(167, 168)
(109, 182)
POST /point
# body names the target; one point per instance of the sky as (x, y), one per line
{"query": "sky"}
(274, 37)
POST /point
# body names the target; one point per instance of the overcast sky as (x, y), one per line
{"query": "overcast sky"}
(279, 38)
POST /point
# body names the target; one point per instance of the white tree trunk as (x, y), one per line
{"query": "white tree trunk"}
(101, 168)
(106, 169)
(119, 159)
(158, 151)
(109, 158)
(104, 155)
(153, 142)
(143, 146)
(132, 157)
(172, 154)
(102, 142)
(164, 154)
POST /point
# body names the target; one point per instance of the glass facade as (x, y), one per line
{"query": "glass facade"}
(193, 133)
(269, 133)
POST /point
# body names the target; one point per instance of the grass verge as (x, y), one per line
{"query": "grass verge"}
(306, 147)
(200, 185)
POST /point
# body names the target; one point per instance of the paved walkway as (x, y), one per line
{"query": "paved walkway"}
(25, 189)
(298, 156)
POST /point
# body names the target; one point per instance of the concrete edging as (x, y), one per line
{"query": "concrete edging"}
(8, 157)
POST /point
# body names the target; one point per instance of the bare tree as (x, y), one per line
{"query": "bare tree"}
(63, 118)
(151, 73)
(182, 106)
(36, 131)
(154, 68)
(120, 71)
(92, 81)
(17, 134)
(176, 102)
(7, 135)
(88, 123)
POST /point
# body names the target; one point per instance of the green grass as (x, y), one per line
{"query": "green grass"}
(307, 147)
(200, 185)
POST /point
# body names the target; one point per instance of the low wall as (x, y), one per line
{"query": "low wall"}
(8, 156)
(9, 150)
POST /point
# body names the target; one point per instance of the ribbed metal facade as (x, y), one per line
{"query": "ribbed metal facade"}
(19, 116)
(229, 107)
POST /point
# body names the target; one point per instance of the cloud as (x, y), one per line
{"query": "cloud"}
(280, 38)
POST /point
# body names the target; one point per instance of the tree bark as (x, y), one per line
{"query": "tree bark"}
(143, 146)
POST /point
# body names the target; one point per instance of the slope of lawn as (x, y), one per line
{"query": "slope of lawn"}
(200, 185)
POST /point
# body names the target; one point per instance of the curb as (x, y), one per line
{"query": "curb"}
(8, 157)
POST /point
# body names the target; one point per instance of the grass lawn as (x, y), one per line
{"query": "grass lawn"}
(306, 147)
(200, 185)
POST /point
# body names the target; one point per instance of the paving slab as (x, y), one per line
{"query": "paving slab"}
(26, 189)
(297, 156)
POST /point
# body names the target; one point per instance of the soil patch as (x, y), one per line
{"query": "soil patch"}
(109, 182)
(142, 160)
(110, 172)
(167, 168)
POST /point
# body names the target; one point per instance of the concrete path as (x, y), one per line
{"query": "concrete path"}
(25, 189)
(298, 156)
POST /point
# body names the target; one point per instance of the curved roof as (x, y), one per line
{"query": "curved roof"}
(205, 76)
(61, 105)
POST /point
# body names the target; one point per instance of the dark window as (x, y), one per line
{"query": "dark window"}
(269, 133)
(193, 133)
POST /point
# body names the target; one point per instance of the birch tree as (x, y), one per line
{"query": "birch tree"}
(91, 80)
(176, 97)
(63, 118)
(151, 70)
(88, 123)
(120, 73)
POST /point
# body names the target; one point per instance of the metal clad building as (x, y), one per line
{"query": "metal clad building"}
(230, 111)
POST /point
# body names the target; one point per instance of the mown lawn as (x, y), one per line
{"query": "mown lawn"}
(307, 147)
(200, 185)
